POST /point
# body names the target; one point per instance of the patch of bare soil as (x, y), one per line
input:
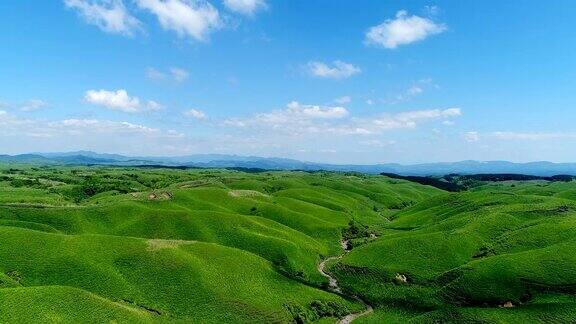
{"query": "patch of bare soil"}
(246, 193)
(164, 195)
(157, 244)
(195, 184)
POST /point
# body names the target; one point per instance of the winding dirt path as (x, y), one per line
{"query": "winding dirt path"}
(333, 286)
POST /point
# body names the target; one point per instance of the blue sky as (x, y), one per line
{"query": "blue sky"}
(330, 81)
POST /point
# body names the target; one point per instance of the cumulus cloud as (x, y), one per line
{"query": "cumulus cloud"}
(294, 108)
(188, 18)
(295, 118)
(298, 119)
(109, 15)
(337, 70)
(402, 30)
(403, 120)
(120, 100)
(196, 114)
(245, 7)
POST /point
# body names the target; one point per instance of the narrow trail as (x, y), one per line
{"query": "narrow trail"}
(333, 286)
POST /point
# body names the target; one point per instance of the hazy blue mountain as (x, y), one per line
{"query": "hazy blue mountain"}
(253, 162)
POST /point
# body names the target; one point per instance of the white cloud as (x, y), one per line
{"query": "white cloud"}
(26, 134)
(377, 143)
(152, 105)
(338, 70)
(13, 125)
(109, 15)
(120, 100)
(94, 125)
(405, 120)
(413, 116)
(402, 30)
(297, 119)
(192, 18)
(196, 114)
(153, 74)
(343, 100)
(472, 136)
(531, 136)
(178, 75)
(312, 111)
(33, 105)
(245, 7)
(416, 89)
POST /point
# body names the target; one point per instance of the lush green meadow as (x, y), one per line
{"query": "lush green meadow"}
(101, 244)
(500, 253)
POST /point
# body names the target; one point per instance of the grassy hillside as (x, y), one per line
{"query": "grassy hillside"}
(131, 245)
(104, 244)
(466, 257)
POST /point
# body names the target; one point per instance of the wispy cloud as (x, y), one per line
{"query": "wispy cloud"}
(120, 100)
(336, 70)
(110, 16)
(417, 88)
(402, 30)
(178, 75)
(33, 105)
(94, 134)
(188, 18)
(343, 100)
(196, 114)
(377, 143)
(531, 136)
(245, 7)
(471, 136)
(474, 136)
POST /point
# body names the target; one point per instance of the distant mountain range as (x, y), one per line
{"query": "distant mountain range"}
(255, 163)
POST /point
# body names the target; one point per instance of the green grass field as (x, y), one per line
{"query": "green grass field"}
(99, 244)
(466, 255)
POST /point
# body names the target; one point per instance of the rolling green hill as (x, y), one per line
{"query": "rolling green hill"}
(195, 245)
(101, 244)
(501, 253)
